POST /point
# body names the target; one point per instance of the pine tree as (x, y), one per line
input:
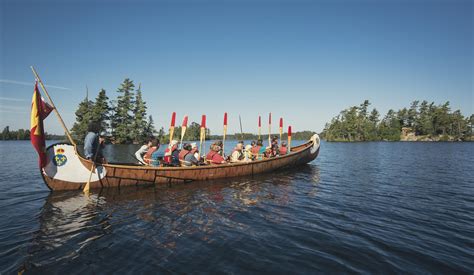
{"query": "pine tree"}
(83, 118)
(101, 110)
(139, 121)
(122, 121)
(149, 129)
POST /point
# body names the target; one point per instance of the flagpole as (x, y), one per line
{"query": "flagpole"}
(54, 107)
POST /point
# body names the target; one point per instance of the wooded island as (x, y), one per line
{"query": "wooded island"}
(420, 122)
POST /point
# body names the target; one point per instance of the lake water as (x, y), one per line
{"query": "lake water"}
(359, 207)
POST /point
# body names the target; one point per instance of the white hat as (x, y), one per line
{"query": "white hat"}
(194, 145)
(248, 147)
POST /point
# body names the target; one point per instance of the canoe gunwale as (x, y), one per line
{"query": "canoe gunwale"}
(305, 146)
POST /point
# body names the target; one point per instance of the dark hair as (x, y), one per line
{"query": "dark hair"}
(252, 143)
(155, 143)
(187, 147)
(93, 126)
(150, 139)
(259, 142)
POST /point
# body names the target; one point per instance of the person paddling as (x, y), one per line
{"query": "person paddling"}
(142, 151)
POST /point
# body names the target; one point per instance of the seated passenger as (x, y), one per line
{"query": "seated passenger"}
(237, 154)
(155, 159)
(248, 156)
(256, 148)
(189, 159)
(155, 145)
(275, 147)
(172, 153)
(213, 157)
(283, 149)
(142, 151)
(183, 152)
(195, 151)
(268, 152)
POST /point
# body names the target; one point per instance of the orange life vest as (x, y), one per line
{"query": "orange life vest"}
(182, 154)
(255, 150)
(147, 156)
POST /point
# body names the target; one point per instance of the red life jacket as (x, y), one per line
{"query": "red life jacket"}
(167, 157)
(147, 156)
(168, 154)
(256, 149)
(216, 158)
(182, 154)
(210, 155)
(283, 150)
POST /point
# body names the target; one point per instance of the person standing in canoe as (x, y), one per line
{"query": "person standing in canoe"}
(93, 142)
(143, 150)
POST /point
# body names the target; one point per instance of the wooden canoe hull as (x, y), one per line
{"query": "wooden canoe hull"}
(66, 170)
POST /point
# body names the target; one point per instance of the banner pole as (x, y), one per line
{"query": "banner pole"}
(54, 107)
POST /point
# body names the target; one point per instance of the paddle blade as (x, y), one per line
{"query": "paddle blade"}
(225, 119)
(173, 119)
(203, 121)
(259, 121)
(289, 131)
(270, 118)
(185, 121)
(281, 122)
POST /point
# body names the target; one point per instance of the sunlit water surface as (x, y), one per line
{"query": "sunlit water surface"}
(359, 207)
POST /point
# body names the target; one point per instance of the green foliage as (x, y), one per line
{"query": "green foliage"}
(101, 110)
(83, 117)
(149, 129)
(139, 124)
(22, 134)
(122, 121)
(353, 123)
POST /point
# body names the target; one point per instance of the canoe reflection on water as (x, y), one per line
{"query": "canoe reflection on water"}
(152, 224)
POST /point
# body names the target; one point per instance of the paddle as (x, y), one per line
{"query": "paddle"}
(241, 132)
(270, 129)
(173, 119)
(87, 187)
(225, 132)
(281, 127)
(289, 139)
(259, 126)
(203, 132)
(184, 126)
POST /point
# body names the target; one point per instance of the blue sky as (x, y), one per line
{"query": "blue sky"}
(302, 60)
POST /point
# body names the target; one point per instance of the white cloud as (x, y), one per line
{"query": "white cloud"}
(11, 99)
(6, 81)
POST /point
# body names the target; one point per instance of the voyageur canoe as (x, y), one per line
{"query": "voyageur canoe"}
(67, 170)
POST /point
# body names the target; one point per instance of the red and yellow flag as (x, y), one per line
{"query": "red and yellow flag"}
(39, 111)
